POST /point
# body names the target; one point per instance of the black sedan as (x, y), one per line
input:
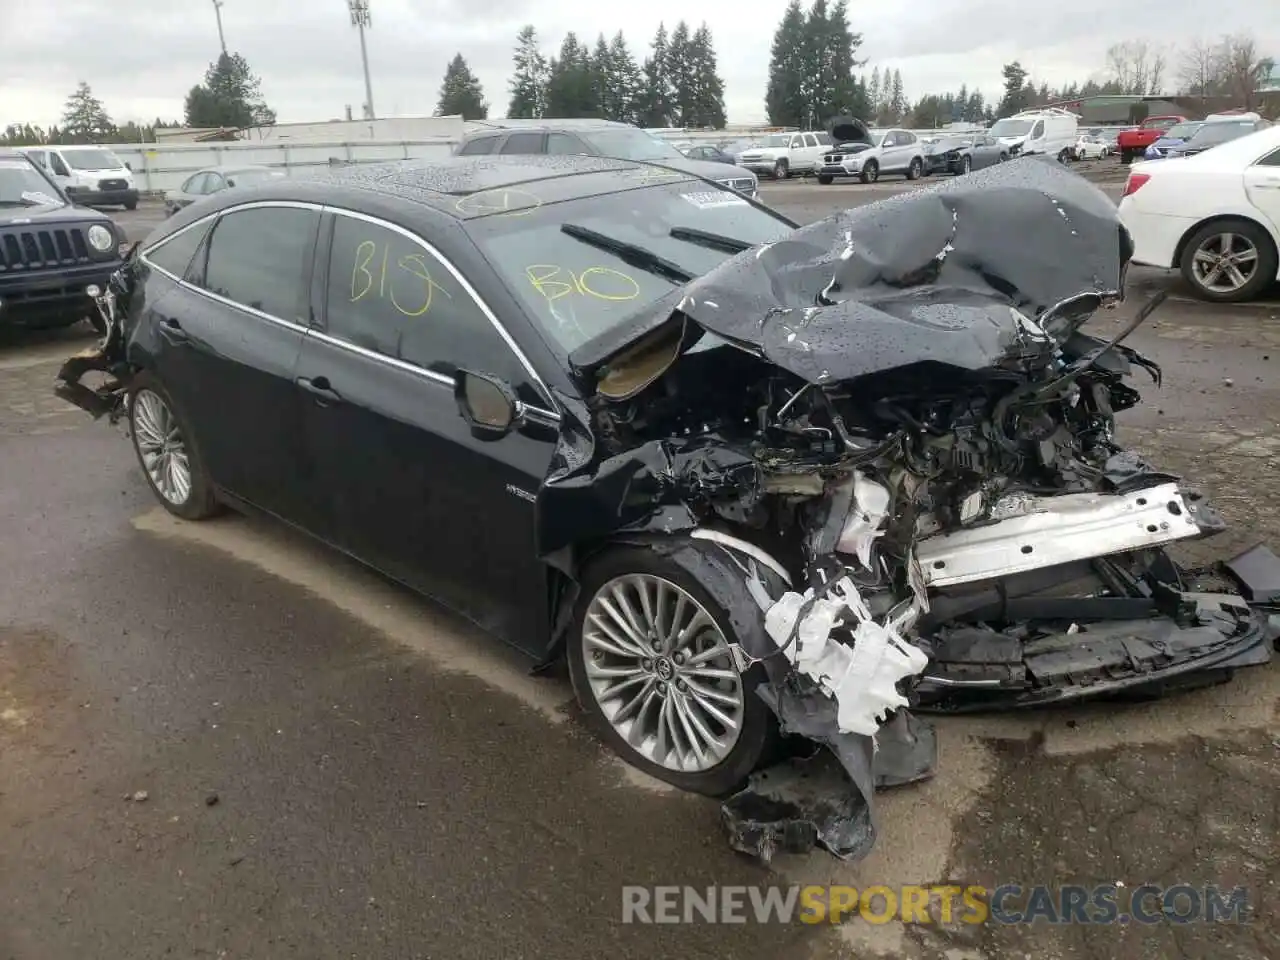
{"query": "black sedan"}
(598, 408)
(705, 151)
(379, 357)
(961, 154)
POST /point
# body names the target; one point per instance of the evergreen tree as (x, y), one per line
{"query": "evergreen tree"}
(817, 79)
(785, 94)
(897, 99)
(529, 80)
(626, 84)
(708, 90)
(833, 56)
(681, 71)
(85, 120)
(570, 87)
(1015, 94)
(460, 93)
(657, 108)
(873, 93)
(229, 97)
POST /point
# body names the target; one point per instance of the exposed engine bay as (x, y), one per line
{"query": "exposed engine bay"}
(911, 451)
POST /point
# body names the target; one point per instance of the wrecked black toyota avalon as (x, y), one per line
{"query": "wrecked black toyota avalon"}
(748, 478)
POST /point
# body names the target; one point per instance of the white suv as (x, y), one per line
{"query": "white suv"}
(783, 154)
(896, 151)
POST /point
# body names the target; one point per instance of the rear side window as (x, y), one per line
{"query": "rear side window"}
(174, 255)
(478, 146)
(389, 294)
(523, 143)
(261, 258)
(1272, 159)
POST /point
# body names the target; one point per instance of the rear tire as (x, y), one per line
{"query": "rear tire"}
(166, 450)
(1248, 233)
(757, 730)
(131, 205)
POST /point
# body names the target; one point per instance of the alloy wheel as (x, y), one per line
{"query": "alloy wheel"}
(1225, 262)
(161, 447)
(663, 673)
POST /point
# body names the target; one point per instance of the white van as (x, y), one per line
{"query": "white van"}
(1051, 131)
(93, 176)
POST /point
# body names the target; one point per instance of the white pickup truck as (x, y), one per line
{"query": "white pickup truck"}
(781, 155)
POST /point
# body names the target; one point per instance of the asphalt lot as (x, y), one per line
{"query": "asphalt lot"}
(389, 784)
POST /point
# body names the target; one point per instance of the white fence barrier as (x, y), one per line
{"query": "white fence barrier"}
(164, 166)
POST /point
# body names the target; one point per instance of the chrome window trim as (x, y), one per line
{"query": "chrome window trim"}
(544, 415)
(463, 283)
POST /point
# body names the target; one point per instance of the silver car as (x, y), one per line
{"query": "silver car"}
(211, 180)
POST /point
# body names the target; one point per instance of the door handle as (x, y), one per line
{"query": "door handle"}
(319, 388)
(172, 331)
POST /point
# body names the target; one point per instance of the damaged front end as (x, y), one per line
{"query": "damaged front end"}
(107, 356)
(894, 423)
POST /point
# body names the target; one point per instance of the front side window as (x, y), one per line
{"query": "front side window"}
(193, 184)
(390, 294)
(1272, 159)
(174, 255)
(478, 147)
(1038, 130)
(261, 258)
(575, 291)
(810, 140)
(523, 143)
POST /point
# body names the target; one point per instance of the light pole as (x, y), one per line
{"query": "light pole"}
(360, 19)
(217, 12)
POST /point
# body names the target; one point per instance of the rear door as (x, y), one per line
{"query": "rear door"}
(227, 341)
(1262, 184)
(405, 485)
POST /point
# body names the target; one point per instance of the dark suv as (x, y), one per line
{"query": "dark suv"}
(50, 249)
(599, 138)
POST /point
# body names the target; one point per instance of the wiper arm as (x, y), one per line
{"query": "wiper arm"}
(715, 241)
(18, 203)
(630, 253)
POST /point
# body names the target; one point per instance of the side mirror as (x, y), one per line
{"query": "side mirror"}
(230, 182)
(128, 166)
(489, 405)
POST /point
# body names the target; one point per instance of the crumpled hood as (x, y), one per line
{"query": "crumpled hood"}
(925, 276)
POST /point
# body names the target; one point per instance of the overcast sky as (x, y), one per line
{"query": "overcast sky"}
(141, 56)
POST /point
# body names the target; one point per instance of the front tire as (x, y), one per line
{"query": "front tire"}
(825, 178)
(870, 172)
(1229, 261)
(913, 171)
(650, 660)
(131, 204)
(167, 452)
(780, 170)
(966, 164)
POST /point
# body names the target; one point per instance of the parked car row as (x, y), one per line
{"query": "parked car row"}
(1214, 215)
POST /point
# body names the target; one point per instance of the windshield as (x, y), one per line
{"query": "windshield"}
(575, 290)
(91, 159)
(1220, 132)
(626, 143)
(22, 185)
(1010, 128)
(1180, 131)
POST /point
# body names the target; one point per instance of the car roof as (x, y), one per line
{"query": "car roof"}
(469, 188)
(492, 127)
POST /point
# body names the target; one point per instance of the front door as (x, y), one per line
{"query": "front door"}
(408, 489)
(227, 340)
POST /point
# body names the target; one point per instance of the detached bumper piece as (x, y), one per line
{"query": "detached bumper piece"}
(106, 400)
(1016, 644)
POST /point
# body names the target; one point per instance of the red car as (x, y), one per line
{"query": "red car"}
(1133, 143)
